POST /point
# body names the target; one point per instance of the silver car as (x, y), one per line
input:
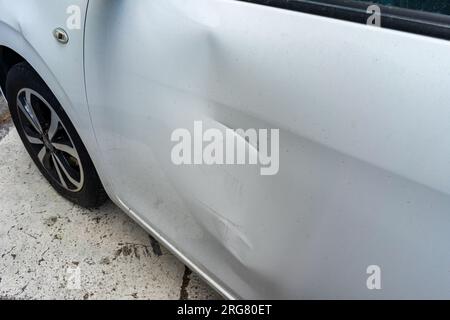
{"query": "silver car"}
(281, 149)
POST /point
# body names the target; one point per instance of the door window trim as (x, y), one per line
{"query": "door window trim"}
(401, 19)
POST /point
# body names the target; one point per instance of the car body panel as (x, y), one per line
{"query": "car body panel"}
(26, 26)
(364, 154)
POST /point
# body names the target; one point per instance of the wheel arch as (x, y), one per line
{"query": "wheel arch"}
(8, 58)
(22, 51)
(15, 49)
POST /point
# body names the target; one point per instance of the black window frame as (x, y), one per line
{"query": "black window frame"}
(396, 18)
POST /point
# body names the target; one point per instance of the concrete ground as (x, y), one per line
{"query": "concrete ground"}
(51, 249)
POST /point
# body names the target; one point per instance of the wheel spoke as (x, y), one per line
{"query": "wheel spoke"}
(33, 140)
(58, 171)
(67, 149)
(66, 173)
(54, 122)
(42, 154)
(27, 110)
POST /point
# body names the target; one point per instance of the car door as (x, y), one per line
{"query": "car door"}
(364, 151)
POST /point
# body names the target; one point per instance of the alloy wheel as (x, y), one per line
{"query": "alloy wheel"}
(50, 140)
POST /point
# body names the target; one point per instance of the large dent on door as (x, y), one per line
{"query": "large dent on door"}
(232, 236)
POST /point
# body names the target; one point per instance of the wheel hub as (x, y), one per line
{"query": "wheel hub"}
(48, 145)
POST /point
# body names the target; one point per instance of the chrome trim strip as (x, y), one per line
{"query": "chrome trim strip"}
(174, 250)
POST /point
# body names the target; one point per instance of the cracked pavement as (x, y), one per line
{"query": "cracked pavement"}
(51, 249)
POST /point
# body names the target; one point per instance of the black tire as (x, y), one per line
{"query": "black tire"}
(72, 174)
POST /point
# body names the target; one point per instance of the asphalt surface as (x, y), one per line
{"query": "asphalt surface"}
(52, 249)
(5, 118)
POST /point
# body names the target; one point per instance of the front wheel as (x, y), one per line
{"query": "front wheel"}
(51, 139)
